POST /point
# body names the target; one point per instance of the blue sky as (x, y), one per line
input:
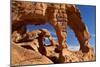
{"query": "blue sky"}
(88, 14)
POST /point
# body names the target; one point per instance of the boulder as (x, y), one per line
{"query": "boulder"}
(24, 56)
(75, 56)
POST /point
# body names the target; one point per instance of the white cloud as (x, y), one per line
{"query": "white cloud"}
(93, 35)
(73, 48)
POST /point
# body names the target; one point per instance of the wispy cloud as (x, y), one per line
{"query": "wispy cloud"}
(93, 35)
(73, 48)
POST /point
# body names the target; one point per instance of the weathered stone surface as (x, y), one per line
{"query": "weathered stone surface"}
(58, 15)
(24, 53)
(29, 47)
(24, 56)
(76, 56)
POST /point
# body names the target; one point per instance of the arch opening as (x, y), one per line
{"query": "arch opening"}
(73, 43)
(47, 26)
(71, 39)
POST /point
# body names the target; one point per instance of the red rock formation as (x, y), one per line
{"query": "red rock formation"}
(24, 56)
(59, 16)
(34, 43)
(75, 22)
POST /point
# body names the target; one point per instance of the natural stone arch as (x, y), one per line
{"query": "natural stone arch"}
(76, 23)
(59, 16)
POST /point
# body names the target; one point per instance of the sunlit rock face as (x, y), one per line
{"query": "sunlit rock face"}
(29, 47)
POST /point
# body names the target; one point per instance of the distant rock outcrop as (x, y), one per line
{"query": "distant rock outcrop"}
(29, 47)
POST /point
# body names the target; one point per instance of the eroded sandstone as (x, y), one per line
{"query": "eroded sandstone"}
(28, 46)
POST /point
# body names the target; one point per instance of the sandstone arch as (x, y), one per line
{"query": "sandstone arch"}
(58, 15)
(76, 23)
